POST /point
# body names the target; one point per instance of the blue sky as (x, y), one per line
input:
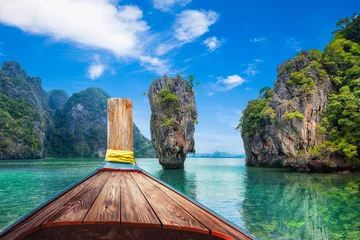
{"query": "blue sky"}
(233, 47)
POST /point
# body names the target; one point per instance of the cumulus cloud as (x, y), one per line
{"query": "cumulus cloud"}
(167, 5)
(228, 83)
(105, 25)
(155, 64)
(212, 43)
(191, 24)
(261, 39)
(93, 23)
(96, 69)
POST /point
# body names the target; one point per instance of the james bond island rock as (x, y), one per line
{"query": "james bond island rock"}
(173, 120)
(310, 121)
(36, 124)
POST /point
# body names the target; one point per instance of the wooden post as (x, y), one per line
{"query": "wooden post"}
(120, 124)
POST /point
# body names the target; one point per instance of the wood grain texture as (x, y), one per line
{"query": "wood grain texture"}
(106, 208)
(34, 221)
(120, 124)
(116, 232)
(169, 212)
(216, 225)
(74, 211)
(135, 210)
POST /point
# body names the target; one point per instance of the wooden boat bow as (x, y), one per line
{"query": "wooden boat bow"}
(122, 201)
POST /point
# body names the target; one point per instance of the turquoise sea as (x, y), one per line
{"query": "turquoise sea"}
(269, 203)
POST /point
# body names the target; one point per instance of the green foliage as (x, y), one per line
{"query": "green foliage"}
(286, 67)
(340, 62)
(167, 96)
(170, 101)
(292, 115)
(191, 79)
(168, 122)
(257, 113)
(302, 79)
(20, 128)
(194, 121)
(349, 28)
(269, 112)
(342, 121)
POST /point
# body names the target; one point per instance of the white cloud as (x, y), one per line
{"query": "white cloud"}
(261, 39)
(258, 60)
(212, 43)
(252, 68)
(293, 44)
(191, 24)
(93, 23)
(155, 64)
(165, 48)
(96, 69)
(209, 94)
(247, 89)
(228, 83)
(166, 5)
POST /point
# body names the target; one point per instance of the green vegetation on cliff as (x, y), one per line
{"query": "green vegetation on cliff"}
(35, 124)
(257, 114)
(341, 121)
(340, 62)
(18, 123)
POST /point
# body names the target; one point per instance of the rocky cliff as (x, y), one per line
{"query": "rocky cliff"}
(173, 120)
(310, 119)
(23, 113)
(36, 124)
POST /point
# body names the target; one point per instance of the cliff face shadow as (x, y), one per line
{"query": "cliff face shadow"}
(284, 205)
(179, 179)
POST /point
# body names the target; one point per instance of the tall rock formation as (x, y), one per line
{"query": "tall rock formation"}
(23, 113)
(310, 120)
(80, 126)
(36, 124)
(289, 135)
(173, 120)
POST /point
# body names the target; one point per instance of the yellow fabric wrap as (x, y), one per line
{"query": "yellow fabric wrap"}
(120, 156)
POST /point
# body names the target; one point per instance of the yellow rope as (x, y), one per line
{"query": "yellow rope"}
(120, 156)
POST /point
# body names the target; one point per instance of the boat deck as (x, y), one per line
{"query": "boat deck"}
(122, 204)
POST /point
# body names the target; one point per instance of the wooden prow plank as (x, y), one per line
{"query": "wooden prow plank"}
(120, 125)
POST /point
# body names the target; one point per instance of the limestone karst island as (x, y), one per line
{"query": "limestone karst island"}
(181, 119)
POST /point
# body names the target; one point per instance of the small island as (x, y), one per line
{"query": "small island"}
(310, 120)
(173, 119)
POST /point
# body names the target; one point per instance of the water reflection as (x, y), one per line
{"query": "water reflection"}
(179, 179)
(284, 205)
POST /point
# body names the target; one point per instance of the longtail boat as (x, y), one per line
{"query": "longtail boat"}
(122, 201)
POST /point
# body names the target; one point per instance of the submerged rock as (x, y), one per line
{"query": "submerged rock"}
(173, 120)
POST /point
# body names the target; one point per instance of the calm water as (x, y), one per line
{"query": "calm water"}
(269, 203)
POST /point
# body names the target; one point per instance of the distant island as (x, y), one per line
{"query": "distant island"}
(216, 155)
